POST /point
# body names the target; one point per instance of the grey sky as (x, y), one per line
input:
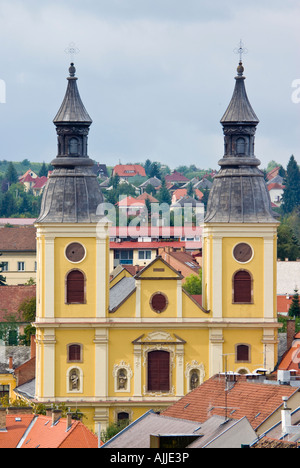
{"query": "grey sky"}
(155, 75)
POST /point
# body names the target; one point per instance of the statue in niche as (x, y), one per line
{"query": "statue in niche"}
(194, 381)
(122, 379)
(74, 380)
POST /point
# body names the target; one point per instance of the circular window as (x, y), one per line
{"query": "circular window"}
(243, 252)
(75, 252)
(159, 302)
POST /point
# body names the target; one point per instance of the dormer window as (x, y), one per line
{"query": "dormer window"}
(73, 146)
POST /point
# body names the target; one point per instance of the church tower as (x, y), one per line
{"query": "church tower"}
(72, 274)
(239, 248)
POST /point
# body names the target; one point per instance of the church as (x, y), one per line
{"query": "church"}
(116, 349)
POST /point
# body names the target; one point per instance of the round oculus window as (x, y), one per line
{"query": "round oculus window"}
(159, 303)
(243, 252)
(75, 252)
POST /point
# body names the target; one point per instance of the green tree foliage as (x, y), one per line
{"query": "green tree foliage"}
(294, 310)
(27, 311)
(43, 171)
(164, 195)
(287, 244)
(11, 174)
(2, 278)
(291, 193)
(193, 284)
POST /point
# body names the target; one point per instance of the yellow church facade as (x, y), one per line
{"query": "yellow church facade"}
(117, 349)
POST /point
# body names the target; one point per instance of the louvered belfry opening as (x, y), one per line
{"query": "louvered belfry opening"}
(159, 371)
(242, 285)
(75, 287)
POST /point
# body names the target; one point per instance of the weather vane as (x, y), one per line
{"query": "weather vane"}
(240, 50)
(72, 50)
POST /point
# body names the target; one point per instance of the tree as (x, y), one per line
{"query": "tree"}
(291, 193)
(147, 167)
(2, 278)
(27, 310)
(43, 170)
(287, 245)
(193, 284)
(11, 174)
(294, 310)
(164, 194)
(155, 170)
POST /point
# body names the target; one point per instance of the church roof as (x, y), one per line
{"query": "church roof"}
(72, 193)
(239, 109)
(72, 108)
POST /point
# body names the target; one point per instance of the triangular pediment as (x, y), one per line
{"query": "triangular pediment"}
(159, 269)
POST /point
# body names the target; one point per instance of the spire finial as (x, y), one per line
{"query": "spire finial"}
(241, 50)
(72, 50)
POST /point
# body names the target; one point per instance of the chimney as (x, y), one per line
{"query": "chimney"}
(291, 331)
(56, 415)
(10, 362)
(49, 412)
(2, 419)
(69, 420)
(18, 410)
(32, 346)
(286, 417)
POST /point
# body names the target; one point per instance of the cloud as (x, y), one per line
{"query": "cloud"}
(156, 76)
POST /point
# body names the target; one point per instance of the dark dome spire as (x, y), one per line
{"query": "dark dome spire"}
(240, 109)
(72, 108)
(239, 193)
(72, 193)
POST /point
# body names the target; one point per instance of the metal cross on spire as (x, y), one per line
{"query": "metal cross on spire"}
(240, 50)
(72, 50)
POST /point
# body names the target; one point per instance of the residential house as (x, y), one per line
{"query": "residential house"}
(32, 181)
(276, 191)
(288, 277)
(18, 248)
(154, 181)
(157, 431)
(100, 170)
(181, 260)
(176, 177)
(20, 428)
(236, 396)
(127, 171)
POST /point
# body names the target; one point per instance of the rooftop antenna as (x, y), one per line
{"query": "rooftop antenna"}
(240, 50)
(226, 383)
(72, 50)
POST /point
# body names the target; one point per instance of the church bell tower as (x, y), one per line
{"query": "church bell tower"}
(72, 273)
(239, 247)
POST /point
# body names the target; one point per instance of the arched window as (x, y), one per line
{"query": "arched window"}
(242, 287)
(240, 146)
(242, 353)
(159, 371)
(74, 353)
(75, 287)
(73, 146)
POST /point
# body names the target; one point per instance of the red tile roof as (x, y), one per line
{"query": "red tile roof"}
(176, 177)
(147, 196)
(291, 358)
(129, 170)
(256, 401)
(14, 430)
(12, 296)
(283, 303)
(18, 239)
(44, 435)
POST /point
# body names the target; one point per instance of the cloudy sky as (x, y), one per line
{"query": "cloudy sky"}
(155, 75)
